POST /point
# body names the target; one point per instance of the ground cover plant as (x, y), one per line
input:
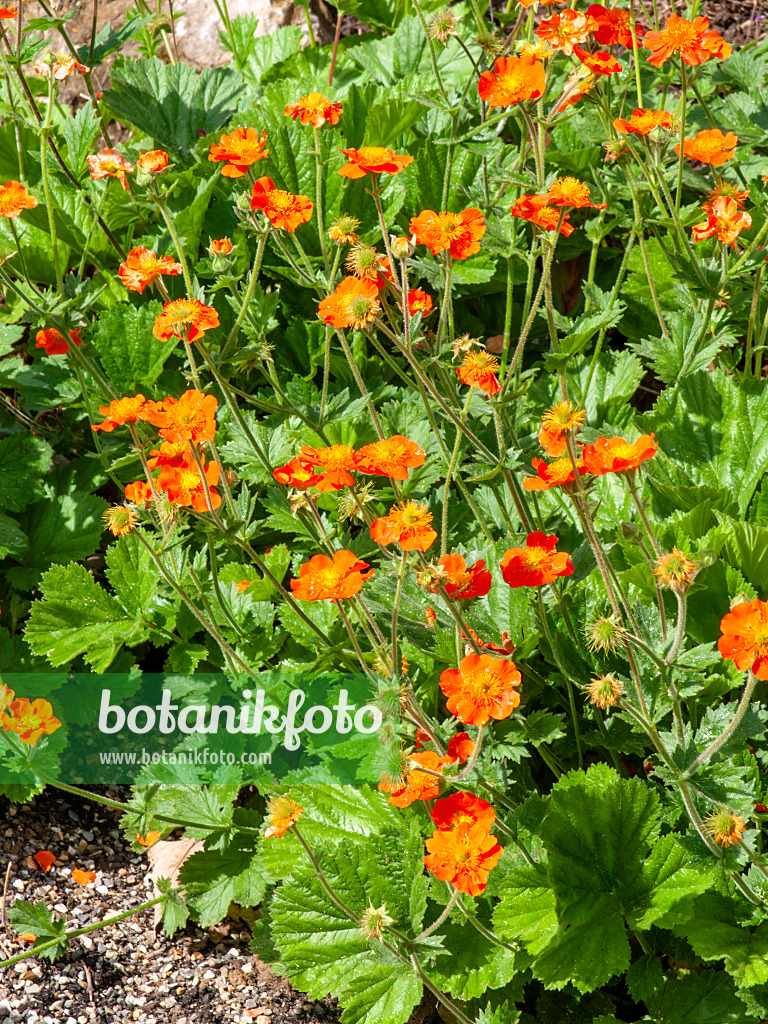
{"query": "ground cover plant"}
(434, 356)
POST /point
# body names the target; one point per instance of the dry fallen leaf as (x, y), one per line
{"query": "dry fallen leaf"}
(166, 857)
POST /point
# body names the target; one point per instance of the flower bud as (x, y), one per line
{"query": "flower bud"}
(402, 247)
(374, 920)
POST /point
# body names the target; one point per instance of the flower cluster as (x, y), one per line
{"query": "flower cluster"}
(331, 469)
(462, 850)
(28, 719)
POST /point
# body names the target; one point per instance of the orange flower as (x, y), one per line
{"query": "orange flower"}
(296, 474)
(283, 814)
(180, 479)
(392, 457)
(464, 857)
(108, 163)
(576, 88)
(710, 147)
(478, 370)
(54, 343)
(338, 461)
(460, 233)
(463, 809)
(615, 455)
(139, 492)
(8, 12)
(29, 719)
(554, 474)
(149, 839)
(462, 581)
(557, 421)
(189, 418)
(535, 564)
(675, 570)
(642, 122)
(238, 151)
(535, 210)
(691, 39)
(355, 304)
(185, 312)
(141, 267)
(14, 198)
(326, 579)
(44, 859)
(62, 67)
(223, 245)
(600, 63)
(612, 26)
(725, 828)
(418, 785)
(281, 208)
(419, 302)
(724, 219)
(513, 80)
(564, 30)
(120, 411)
(725, 190)
(83, 877)
(407, 525)
(460, 748)
(314, 109)
(242, 586)
(481, 688)
(571, 192)
(153, 162)
(745, 637)
(373, 160)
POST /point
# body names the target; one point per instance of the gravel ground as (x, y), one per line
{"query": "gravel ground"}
(124, 972)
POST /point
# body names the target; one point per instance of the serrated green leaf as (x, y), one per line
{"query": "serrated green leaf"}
(79, 134)
(24, 459)
(215, 878)
(128, 350)
(526, 910)
(76, 616)
(132, 574)
(175, 909)
(36, 919)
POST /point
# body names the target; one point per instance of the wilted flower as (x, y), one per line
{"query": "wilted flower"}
(604, 691)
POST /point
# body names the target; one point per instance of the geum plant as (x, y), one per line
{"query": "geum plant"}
(314, 462)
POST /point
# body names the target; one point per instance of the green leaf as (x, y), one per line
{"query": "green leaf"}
(745, 547)
(215, 878)
(706, 997)
(132, 573)
(36, 919)
(526, 910)
(76, 616)
(691, 347)
(79, 134)
(596, 832)
(128, 350)
(108, 40)
(13, 540)
(24, 459)
(324, 951)
(171, 102)
(667, 879)
(175, 908)
(63, 529)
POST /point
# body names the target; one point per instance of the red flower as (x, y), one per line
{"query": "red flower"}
(355, 303)
(745, 637)
(54, 343)
(407, 525)
(14, 198)
(338, 461)
(326, 579)
(459, 233)
(693, 40)
(296, 474)
(612, 26)
(314, 109)
(185, 314)
(460, 748)
(120, 411)
(478, 370)
(463, 809)
(419, 302)
(392, 457)
(512, 80)
(373, 160)
(535, 564)
(139, 492)
(600, 63)
(481, 688)
(239, 151)
(615, 455)
(463, 582)
(535, 210)
(281, 208)
(463, 857)
(181, 480)
(141, 267)
(554, 474)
